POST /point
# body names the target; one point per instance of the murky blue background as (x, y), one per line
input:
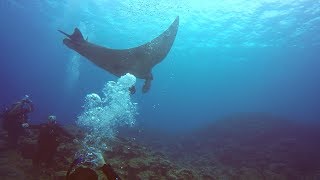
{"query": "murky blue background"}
(229, 56)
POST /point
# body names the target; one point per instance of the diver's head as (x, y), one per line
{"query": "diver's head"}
(52, 119)
(26, 99)
(26, 105)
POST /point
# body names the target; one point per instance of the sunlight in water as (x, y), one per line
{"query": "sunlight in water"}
(73, 70)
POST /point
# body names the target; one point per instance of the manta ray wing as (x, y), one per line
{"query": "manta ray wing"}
(138, 61)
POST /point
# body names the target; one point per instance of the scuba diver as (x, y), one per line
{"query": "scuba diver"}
(48, 141)
(86, 173)
(15, 119)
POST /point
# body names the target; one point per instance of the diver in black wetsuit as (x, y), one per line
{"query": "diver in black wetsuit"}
(48, 141)
(85, 173)
(15, 120)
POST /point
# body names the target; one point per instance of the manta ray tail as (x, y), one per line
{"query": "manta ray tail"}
(76, 36)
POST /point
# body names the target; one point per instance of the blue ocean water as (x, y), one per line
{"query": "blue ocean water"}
(228, 57)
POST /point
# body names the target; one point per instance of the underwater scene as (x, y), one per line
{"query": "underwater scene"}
(160, 89)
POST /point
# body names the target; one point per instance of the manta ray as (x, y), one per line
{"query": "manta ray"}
(138, 61)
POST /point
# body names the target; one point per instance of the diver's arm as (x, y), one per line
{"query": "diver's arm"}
(106, 168)
(64, 132)
(109, 172)
(14, 108)
(18, 107)
(31, 107)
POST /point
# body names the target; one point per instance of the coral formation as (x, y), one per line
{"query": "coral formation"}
(244, 147)
(129, 159)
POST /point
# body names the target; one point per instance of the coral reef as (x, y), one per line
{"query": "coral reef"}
(129, 159)
(246, 146)
(243, 147)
